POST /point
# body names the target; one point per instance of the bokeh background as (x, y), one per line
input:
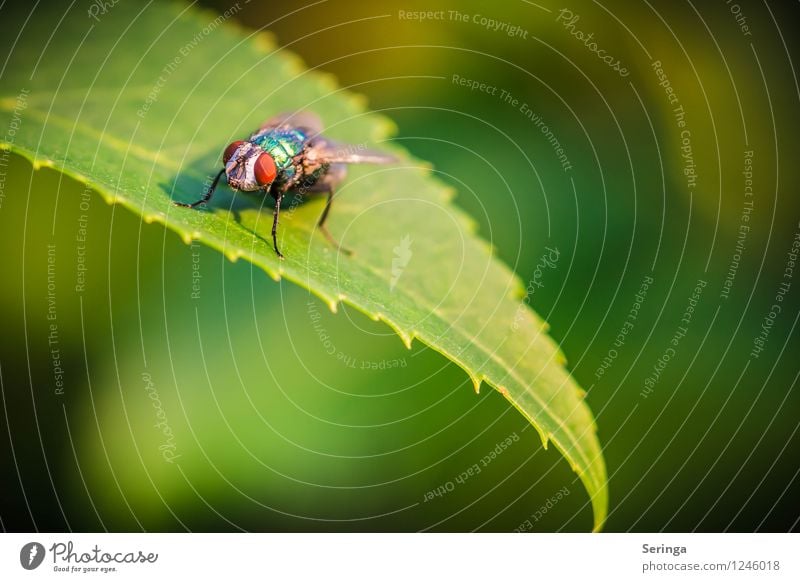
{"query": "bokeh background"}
(340, 428)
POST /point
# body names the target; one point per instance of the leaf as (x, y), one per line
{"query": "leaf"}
(139, 102)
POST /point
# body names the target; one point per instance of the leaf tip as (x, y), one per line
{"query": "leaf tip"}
(448, 194)
(39, 163)
(358, 101)
(476, 383)
(386, 127)
(234, 255)
(426, 167)
(294, 64)
(264, 41)
(406, 338)
(546, 441)
(327, 80)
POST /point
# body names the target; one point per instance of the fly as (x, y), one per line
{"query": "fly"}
(288, 153)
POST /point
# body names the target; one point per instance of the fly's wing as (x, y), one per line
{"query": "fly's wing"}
(327, 151)
(297, 119)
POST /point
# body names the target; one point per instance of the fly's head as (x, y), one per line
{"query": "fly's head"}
(248, 167)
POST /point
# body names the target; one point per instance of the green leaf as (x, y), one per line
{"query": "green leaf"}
(139, 103)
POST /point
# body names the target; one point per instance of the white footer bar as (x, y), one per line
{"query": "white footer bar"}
(416, 557)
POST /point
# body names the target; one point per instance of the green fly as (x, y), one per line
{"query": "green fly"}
(288, 153)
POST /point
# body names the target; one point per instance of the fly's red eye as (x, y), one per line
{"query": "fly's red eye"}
(265, 170)
(230, 150)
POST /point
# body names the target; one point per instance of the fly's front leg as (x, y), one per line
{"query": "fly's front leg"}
(206, 195)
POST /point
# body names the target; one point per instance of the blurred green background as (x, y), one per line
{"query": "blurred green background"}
(285, 417)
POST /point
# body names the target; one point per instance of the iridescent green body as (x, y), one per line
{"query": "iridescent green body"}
(285, 145)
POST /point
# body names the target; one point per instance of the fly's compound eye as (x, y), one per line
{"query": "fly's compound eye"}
(230, 150)
(265, 170)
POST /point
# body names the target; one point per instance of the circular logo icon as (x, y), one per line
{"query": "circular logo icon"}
(31, 555)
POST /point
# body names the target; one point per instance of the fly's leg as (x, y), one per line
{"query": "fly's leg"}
(324, 229)
(327, 184)
(206, 195)
(275, 215)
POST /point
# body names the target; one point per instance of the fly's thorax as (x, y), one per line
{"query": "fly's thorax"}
(282, 144)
